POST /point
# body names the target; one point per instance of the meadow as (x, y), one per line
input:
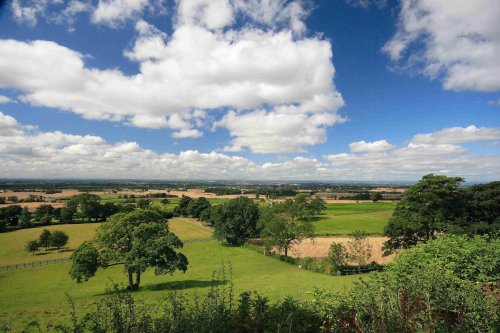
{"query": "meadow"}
(40, 293)
(345, 218)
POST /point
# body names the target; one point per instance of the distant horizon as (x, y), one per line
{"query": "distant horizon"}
(231, 181)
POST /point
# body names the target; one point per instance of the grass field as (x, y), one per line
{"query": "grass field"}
(344, 219)
(12, 243)
(39, 293)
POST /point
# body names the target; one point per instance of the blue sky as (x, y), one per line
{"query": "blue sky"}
(233, 89)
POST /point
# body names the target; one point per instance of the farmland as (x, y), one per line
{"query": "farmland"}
(39, 293)
(345, 218)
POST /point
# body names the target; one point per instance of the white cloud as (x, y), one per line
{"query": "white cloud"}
(115, 12)
(436, 152)
(28, 152)
(367, 3)
(379, 146)
(5, 99)
(275, 12)
(460, 42)
(53, 11)
(457, 135)
(211, 14)
(187, 75)
(277, 131)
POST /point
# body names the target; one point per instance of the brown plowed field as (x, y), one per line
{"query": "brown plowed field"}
(319, 247)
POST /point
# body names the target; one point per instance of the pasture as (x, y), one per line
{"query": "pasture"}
(345, 218)
(39, 293)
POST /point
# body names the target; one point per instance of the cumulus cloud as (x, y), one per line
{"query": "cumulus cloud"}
(277, 131)
(457, 135)
(27, 152)
(262, 75)
(379, 146)
(436, 152)
(458, 41)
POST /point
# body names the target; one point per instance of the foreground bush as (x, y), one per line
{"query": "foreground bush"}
(430, 288)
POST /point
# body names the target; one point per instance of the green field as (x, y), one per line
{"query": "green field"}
(12, 243)
(344, 219)
(39, 293)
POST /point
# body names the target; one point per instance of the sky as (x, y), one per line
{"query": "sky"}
(328, 90)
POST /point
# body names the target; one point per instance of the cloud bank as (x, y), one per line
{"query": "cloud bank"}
(27, 152)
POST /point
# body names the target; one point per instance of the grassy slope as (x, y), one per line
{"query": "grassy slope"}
(12, 243)
(343, 219)
(39, 293)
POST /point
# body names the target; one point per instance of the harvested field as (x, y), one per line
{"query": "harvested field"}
(319, 247)
(32, 206)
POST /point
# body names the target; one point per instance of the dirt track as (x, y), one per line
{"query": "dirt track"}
(319, 247)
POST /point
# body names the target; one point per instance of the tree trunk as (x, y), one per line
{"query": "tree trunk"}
(286, 252)
(130, 280)
(137, 280)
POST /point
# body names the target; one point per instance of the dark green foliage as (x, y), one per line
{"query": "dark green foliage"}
(87, 205)
(205, 215)
(376, 196)
(10, 214)
(143, 203)
(432, 288)
(197, 206)
(68, 214)
(182, 208)
(483, 209)
(25, 218)
(59, 239)
(139, 239)
(84, 262)
(235, 220)
(223, 190)
(285, 224)
(45, 238)
(44, 212)
(32, 246)
(2, 200)
(429, 207)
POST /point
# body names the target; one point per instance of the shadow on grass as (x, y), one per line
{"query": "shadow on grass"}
(181, 285)
(164, 286)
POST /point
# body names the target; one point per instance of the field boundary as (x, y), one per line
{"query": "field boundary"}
(61, 260)
(33, 264)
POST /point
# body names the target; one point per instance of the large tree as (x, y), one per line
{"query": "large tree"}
(235, 220)
(138, 239)
(430, 207)
(483, 209)
(87, 205)
(182, 208)
(197, 206)
(285, 224)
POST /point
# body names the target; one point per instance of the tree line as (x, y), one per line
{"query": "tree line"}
(84, 207)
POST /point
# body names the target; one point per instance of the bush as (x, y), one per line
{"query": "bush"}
(59, 239)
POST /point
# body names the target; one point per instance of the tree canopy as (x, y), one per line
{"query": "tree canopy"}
(138, 239)
(235, 220)
(427, 208)
(287, 223)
